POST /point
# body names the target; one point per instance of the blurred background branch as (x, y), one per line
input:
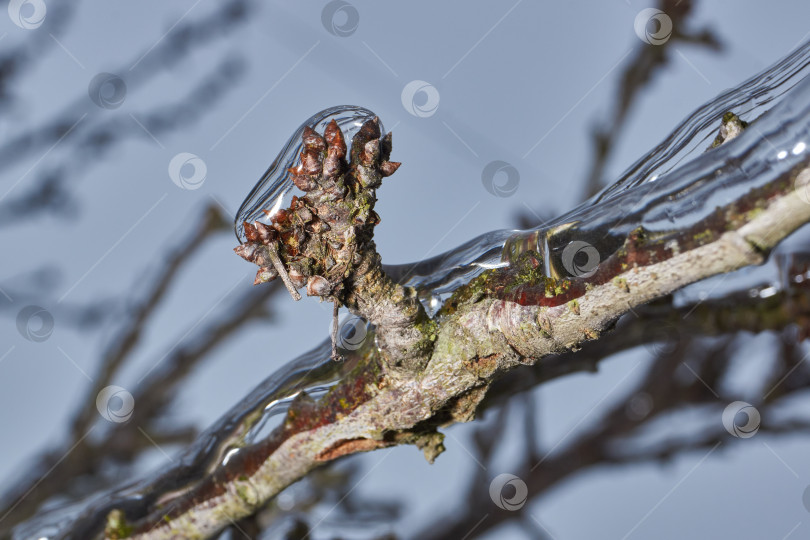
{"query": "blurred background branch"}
(691, 350)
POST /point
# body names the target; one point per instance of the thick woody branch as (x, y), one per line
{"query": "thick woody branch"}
(566, 325)
(484, 330)
(663, 327)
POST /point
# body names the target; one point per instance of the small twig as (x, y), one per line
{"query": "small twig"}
(279, 266)
(335, 355)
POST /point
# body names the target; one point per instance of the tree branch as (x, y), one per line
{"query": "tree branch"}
(504, 318)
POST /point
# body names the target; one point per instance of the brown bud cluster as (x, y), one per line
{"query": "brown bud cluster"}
(322, 237)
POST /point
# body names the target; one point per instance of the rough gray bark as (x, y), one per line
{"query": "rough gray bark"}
(484, 330)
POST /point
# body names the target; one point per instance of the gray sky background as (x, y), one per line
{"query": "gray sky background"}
(508, 75)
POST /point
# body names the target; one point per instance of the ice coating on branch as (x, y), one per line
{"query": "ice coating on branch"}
(675, 183)
(324, 238)
(273, 190)
(651, 192)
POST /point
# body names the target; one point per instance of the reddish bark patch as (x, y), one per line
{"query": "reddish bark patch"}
(524, 283)
(304, 414)
(349, 446)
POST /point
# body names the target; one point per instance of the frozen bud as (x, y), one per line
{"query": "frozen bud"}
(297, 278)
(370, 153)
(387, 168)
(255, 253)
(265, 233)
(311, 161)
(386, 145)
(312, 140)
(369, 130)
(250, 232)
(280, 219)
(265, 274)
(318, 286)
(303, 182)
(333, 164)
(249, 252)
(334, 138)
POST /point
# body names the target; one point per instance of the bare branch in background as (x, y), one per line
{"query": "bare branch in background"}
(124, 442)
(502, 333)
(642, 68)
(16, 61)
(82, 130)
